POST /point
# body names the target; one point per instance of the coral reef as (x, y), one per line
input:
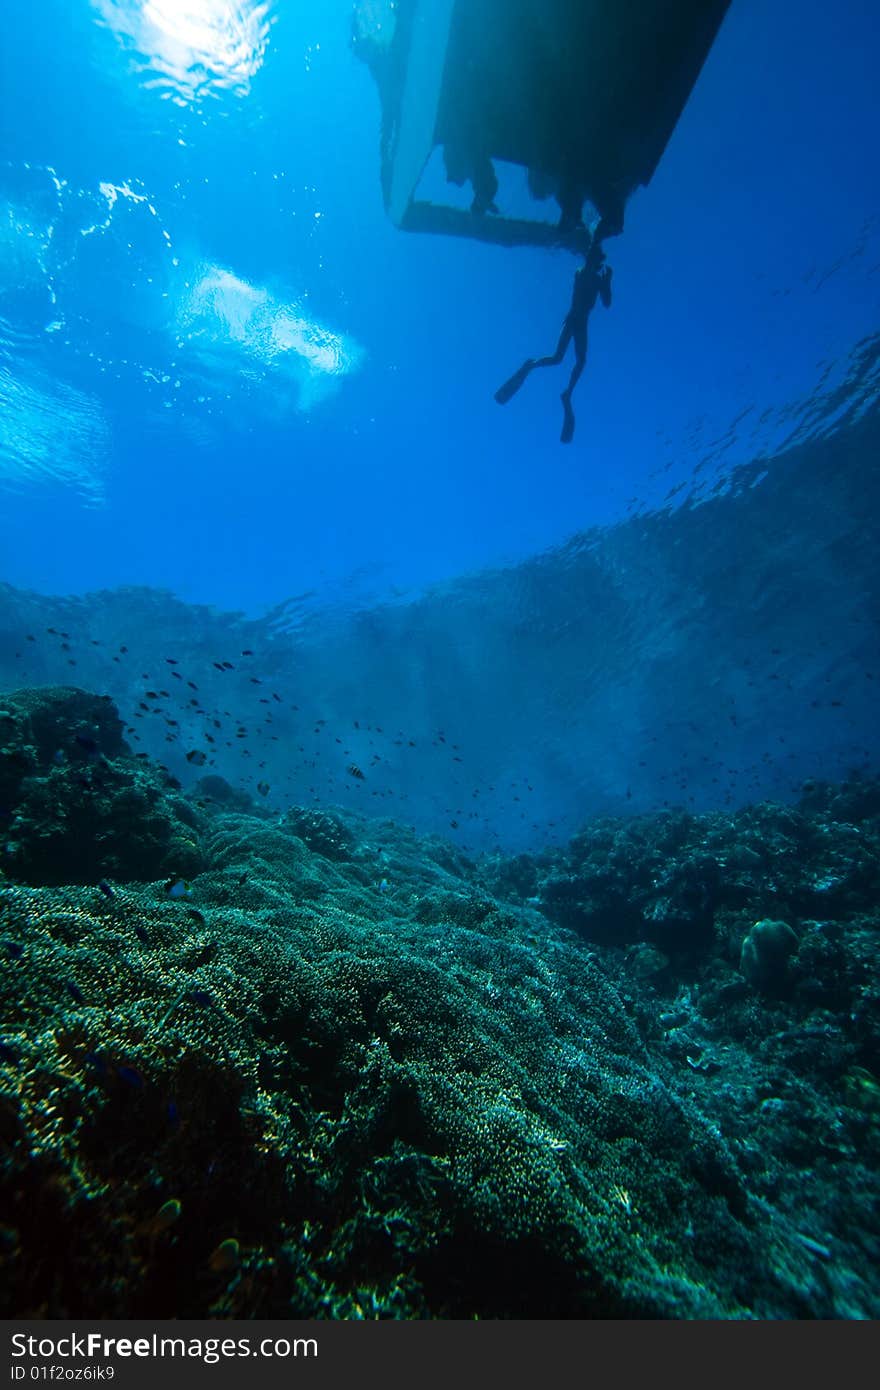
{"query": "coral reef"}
(78, 806)
(350, 1073)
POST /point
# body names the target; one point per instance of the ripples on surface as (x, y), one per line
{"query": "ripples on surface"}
(93, 294)
(223, 312)
(192, 49)
(50, 433)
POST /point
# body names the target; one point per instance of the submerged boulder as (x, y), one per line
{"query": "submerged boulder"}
(765, 954)
(79, 806)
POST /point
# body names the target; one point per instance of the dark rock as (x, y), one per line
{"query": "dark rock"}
(765, 954)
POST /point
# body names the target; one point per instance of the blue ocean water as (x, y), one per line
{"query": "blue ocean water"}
(439, 864)
(225, 375)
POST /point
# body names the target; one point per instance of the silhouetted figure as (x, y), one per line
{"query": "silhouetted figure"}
(591, 281)
(466, 164)
(611, 205)
(570, 195)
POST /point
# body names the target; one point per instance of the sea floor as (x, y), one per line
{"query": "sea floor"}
(316, 1065)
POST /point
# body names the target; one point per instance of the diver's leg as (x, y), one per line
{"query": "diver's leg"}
(580, 357)
(557, 356)
(567, 434)
(484, 182)
(512, 385)
(571, 204)
(611, 206)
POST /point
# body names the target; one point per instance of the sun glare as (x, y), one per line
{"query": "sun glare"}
(192, 48)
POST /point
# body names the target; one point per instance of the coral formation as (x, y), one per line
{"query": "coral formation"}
(354, 1074)
(79, 805)
(765, 953)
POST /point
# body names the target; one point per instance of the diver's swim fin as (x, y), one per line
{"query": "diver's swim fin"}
(510, 388)
(567, 434)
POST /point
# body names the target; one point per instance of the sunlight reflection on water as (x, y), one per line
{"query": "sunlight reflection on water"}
(223, 310)
(51, 434)
(192, 49)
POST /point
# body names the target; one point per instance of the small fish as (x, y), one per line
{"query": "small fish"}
(200, 996)
(384, 885)
(178, 888)
(59, 757)
(263, 788)
(226, 1257)
(167, 1214)
(247, 652)
(142, 935)
(197, 757)
(171, 661)
(106, 889)
(354, 771)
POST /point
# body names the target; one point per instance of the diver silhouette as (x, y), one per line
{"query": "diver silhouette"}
(592, 280)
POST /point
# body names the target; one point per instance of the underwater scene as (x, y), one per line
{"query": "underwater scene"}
(439, 660)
